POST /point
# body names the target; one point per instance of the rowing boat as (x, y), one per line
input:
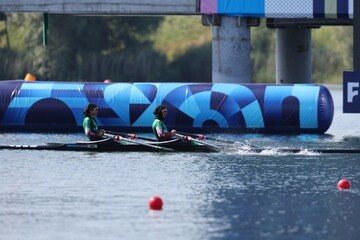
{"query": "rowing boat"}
(108, 145)
(175, 145)
(124, 143)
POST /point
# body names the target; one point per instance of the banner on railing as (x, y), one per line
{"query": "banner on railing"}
(351, 86)
(280, 9)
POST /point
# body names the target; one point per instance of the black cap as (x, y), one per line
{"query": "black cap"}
(88, 108)
(157, 111)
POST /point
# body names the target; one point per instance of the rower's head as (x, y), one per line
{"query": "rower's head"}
(91, 110)
(160, 112)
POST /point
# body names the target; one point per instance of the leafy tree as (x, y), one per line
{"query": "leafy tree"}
(332, 53)
(172, 48)
(195, 65)
(82, 40)
(263, 54)
(75, 41)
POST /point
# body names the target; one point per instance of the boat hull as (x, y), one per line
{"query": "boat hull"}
(175, 146)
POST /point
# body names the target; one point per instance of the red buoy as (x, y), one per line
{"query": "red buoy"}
(343, 184)
(155, 203)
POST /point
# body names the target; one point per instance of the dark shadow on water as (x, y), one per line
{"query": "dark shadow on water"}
(351, 139)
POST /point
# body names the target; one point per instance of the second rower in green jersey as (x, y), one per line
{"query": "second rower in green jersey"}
(159, 128)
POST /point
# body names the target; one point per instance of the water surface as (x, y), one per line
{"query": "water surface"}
(233, 194)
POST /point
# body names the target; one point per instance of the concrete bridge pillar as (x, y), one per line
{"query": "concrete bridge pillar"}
(231, 51)
(293, 55)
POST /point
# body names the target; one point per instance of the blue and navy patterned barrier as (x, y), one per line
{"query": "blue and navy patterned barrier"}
(280, 9)
(58, 106)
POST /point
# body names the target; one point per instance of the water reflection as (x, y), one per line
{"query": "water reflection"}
(228, 195)
(278, 197)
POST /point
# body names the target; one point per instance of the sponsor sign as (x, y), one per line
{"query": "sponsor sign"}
(351, 91)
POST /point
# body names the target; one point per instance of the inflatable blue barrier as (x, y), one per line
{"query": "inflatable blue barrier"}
(43, 106)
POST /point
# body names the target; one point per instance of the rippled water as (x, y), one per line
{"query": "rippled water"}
(228, 195)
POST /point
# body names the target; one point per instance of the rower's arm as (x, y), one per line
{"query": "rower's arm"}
(163, 134)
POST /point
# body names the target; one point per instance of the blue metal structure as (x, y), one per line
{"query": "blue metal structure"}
(280, 9)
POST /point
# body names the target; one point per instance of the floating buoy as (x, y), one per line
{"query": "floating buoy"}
(343, 184)
(155, 203)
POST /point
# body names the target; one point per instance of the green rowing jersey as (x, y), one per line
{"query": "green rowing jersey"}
(160, 130)
(90, 128)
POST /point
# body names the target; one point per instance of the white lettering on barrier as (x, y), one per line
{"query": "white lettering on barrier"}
(351, 93)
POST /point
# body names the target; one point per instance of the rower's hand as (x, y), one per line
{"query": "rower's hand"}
(186, 138)
(118, 138)
(101, 132)
(173, 132)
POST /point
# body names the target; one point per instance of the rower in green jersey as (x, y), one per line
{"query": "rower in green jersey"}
(90, 126)
(159, 128)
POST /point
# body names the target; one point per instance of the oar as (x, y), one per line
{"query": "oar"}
(136, 142)
(203, 137)
(132, 136)
(197, 141)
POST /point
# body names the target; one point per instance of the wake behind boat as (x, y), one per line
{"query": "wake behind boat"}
(302, 150)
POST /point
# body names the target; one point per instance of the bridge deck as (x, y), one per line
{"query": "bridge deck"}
(306, 9)
(133, 7)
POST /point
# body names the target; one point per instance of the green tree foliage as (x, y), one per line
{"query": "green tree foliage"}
(25, 40)
(195, 65)
(332, 53)
(85, 43)
(263, 54)
(178, 34)
(78, 46)
(146, 49)
(187, 46)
